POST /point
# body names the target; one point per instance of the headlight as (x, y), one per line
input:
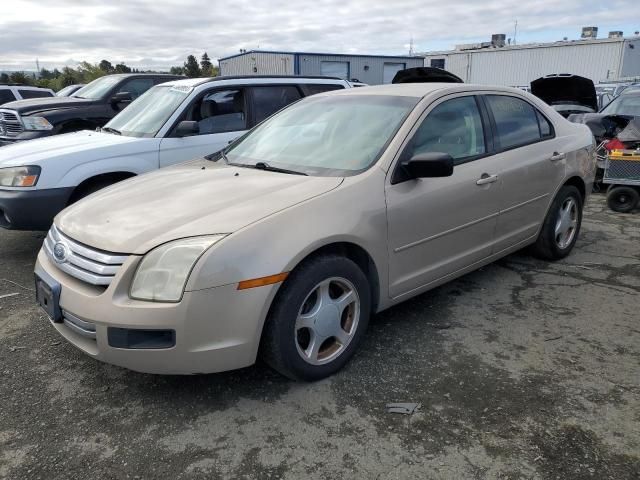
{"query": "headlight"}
(19, 176)
(163, 272)
(36, 123)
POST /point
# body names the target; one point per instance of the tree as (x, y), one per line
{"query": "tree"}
(191, 67)
(122, 68)
(176, 71)
(4, 78)
(19, 77)
(106, 66)
(69, 76)
(206, 66)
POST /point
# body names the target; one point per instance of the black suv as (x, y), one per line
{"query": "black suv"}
(90, 107)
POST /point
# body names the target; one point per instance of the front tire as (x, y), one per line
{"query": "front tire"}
(318, 318)
(561, 225)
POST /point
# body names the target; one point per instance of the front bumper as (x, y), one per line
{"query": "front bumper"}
(32, 209)
(216, 329)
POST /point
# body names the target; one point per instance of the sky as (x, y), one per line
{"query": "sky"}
(161, 33)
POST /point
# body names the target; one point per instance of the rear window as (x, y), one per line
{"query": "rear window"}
(6, 96)
(34, 93)
(516, 121)
(268, 100)
(312, 89)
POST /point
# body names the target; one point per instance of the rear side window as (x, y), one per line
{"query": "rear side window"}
(313, 89)
(136, 86)
(546, 130)
(516, 121)
(34, 93)
(453, 127)
(268, 100)
(6, 96)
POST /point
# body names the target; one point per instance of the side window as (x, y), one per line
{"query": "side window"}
(453, 127)
(516, 121)
(136, 86)
(546, 130)
(310, 89)
(6, 96)
(220, 111)
(268, 100)
(34, 93)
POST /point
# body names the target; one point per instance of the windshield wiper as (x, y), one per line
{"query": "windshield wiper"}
(269, 168)
(111, 130)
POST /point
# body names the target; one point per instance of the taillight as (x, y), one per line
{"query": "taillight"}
(614, 144)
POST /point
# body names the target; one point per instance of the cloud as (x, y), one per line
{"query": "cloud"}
(162, 32)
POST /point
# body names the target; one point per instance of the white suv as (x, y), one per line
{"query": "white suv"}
(11, 93)
(171, 123)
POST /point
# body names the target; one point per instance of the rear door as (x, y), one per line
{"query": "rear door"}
(531, 166)
(222, 116)
(439, 226)
(268, 99)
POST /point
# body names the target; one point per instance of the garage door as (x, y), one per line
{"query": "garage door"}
(335, 69)
(390, 70)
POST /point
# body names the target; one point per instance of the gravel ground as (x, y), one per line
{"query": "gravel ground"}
(524, 370)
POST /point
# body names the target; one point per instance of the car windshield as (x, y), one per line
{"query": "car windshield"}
(148, 113)
(332, 135)
(625, 104)
(98, 88)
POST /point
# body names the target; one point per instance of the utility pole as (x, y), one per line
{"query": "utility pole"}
(515, 32)
(411, 47)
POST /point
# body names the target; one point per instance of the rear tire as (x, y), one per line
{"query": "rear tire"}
(622, 198)
(561, 226)
(318, 318)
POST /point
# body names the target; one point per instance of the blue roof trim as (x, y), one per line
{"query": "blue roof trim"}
(404, 57)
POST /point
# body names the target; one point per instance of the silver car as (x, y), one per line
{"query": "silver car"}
(336, 208)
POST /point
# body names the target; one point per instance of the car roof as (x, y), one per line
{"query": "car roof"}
(420, 90)
(193, 82)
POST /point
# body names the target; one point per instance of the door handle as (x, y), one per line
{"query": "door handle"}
(557, 156)
(486, 178)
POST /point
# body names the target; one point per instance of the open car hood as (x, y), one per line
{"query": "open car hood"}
(425, 75)
(565, 89)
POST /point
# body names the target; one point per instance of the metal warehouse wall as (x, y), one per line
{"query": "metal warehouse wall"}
(519, 66)
(631, 59)
(264, 63)
(311, 65)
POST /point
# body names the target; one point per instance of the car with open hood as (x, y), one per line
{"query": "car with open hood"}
(287, 241)
(89, 107)
(567, 94)
(170, 123)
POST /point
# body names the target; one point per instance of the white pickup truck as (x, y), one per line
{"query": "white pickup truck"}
(171, 123)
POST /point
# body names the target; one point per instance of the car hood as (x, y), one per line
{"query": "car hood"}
(566, 89)
(89, 144)
(39, 105)
(197, 198)
(425, 75)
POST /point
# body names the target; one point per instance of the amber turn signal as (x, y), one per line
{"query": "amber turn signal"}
(261, 282)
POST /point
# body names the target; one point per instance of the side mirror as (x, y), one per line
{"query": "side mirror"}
(121, 97)
(187, 129)
(428, 165)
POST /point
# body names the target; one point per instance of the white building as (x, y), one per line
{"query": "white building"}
(370, 69)
(602, 60)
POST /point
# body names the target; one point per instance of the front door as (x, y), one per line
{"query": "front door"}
(222, 117)
(439, 226)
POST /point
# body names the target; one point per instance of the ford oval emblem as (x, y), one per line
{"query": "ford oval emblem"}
(60, 252)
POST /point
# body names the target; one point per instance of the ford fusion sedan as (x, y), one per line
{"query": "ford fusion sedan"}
(338, 207)
(170, 123)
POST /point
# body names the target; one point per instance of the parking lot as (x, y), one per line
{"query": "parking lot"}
(524, 369)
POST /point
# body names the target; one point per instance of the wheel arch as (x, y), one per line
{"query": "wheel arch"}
(577, 182)
(107, 178)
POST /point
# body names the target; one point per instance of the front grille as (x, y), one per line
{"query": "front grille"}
(84, 263)
(10, 124)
